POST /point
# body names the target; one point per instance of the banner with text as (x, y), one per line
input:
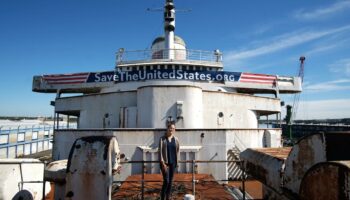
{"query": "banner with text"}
(163, 74)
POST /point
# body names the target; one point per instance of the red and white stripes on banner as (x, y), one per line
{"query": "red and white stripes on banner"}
(258, 78)
(66, 78)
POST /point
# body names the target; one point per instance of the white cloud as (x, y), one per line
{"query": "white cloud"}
(341, 66)
(322, 49)
(341, 84)
(320, 13)
(324, 109)
(335, 41)
(281, 42)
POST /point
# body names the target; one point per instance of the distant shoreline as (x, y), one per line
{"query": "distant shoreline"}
(17, 118)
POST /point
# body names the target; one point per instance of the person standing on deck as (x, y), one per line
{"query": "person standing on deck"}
(168, 151)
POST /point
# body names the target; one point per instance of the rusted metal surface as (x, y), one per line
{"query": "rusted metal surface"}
(264, 167)
(282, 173)
(280, 153)
(56, 171)
(306, 153)
(311, 150)
(50, 195)
(206, 187)
(252, 187)
(89, 168)
(328, 180)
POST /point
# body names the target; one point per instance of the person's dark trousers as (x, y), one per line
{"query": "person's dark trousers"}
(167, 181)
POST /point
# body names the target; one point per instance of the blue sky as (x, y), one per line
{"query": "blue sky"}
(47, 37)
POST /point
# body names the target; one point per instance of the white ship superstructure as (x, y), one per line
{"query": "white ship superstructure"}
(216, 112)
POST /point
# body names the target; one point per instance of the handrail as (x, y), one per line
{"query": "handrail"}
(9, 130)
(163, 54)
(34, 137)
(194, 181)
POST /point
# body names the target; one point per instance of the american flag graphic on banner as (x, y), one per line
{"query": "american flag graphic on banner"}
(66, 78)
(257, 78)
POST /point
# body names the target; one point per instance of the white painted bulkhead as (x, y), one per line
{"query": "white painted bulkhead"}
(234, 110)
(211, 124)
(150, 106)
(181, 103)
(99, 110)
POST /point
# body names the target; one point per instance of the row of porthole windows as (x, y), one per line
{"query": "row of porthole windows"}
(176, 67)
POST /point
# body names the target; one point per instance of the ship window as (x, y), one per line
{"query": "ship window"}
(162, 66)
(148, 68)
(210, 68)
(220, 119)
(152, 67)
(177, 67)
(166, 67)
(128, 68)
(191, 68)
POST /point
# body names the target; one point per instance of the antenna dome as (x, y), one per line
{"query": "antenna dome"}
(178, 40)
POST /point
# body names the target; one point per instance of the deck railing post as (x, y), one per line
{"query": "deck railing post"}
(8, 142)
(193, 179)
(7, 151)
(53, 132)
(243, 180)
(143, 181)
(32, 141)
(24, 139)
(44, 185)
(143, 171)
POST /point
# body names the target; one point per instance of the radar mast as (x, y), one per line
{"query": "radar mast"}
(169, 27)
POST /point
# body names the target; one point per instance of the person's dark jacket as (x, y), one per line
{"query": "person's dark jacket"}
(162, 150)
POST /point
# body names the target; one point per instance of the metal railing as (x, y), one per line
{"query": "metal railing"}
(193, 180)
(26, 140)
(165, 54)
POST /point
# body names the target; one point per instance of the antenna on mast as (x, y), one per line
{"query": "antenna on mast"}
(161, 9)
(169, 27)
